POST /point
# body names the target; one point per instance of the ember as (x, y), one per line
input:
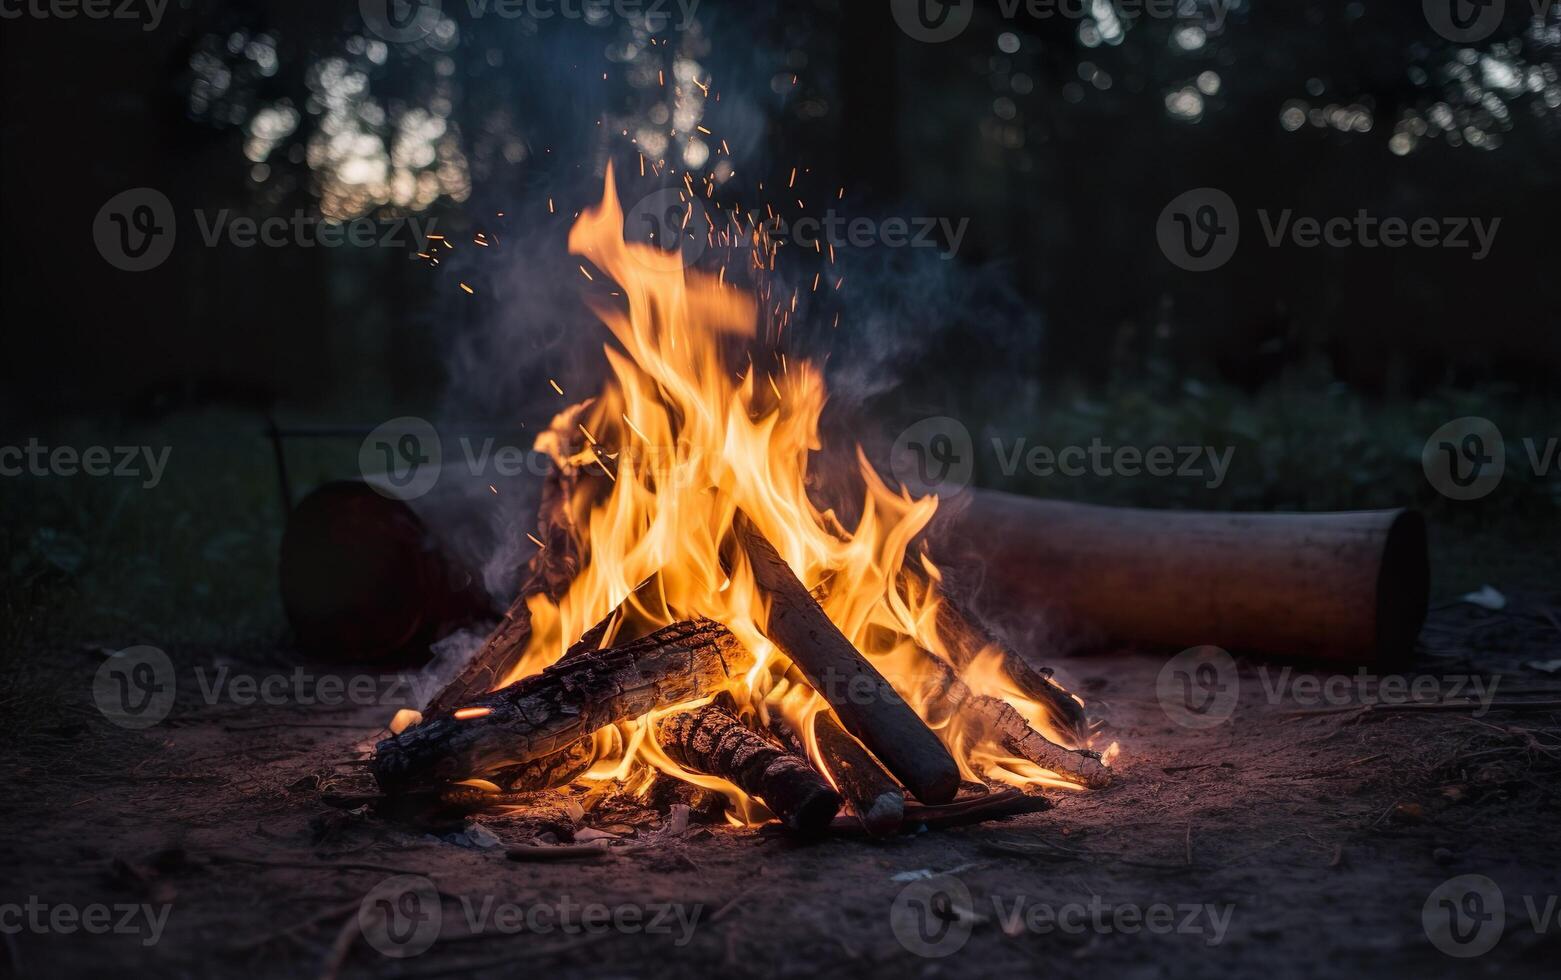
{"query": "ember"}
(690, 611)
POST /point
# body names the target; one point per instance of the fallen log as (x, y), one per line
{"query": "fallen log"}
(875, 798)
(868, 707)
(549, 711)
(712, 740)
(1345, 587)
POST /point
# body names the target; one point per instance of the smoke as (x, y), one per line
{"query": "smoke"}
(882, 318)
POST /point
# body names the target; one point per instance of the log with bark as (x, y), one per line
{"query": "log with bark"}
(549, 711)
(965, 637)
(712, 740)
(994, 720)
(875, 798)
(1343, 587)
(868, 707)
(982, 718)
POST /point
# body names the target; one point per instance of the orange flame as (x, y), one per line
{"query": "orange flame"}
(687, 441)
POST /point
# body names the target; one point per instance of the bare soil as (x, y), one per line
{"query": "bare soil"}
(1320, 833)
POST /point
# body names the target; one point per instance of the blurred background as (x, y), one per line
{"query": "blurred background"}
(1051, 136)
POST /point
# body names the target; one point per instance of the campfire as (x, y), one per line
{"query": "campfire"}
(692, 623)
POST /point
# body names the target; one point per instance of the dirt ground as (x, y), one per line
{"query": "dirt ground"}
(1298, 838)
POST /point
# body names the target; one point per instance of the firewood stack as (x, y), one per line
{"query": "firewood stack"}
(872, 753)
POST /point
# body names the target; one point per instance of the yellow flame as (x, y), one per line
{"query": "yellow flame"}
(707, 440)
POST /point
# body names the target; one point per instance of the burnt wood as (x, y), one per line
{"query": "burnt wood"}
(998, 722)
(712, 740)
(551, 710)
(965, 637)
(995, 721)
(868, 707)
(875, 798)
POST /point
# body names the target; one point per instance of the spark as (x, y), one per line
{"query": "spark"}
(536, 540)
(555, 386)
(469, 290)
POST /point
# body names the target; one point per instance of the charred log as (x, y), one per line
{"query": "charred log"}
(712, 740)
(868, 707)
(551, 710)
(875, 798)
(965, 638)
(994, 720)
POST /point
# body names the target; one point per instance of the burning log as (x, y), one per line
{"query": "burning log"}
(866, 704)
(712, 740)
(875, 798)
(965, 638)
(994, 720)
(557, 769)
(549, 711)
